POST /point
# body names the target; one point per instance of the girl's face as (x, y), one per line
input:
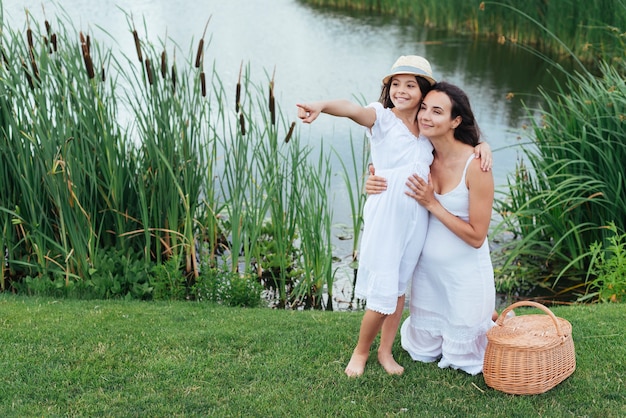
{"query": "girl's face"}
(404, 92)
(435, 115)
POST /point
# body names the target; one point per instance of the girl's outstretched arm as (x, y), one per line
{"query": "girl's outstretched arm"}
(365, 116)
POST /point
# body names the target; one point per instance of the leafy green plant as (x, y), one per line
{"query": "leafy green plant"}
(242, 290)
(222, 286)
(120, 274)
(168, 281)
(608, 265)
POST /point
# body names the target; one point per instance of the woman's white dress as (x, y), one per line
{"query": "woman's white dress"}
(452, 294)
(394, 225)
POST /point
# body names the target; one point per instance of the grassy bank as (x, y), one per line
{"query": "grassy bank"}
(116, 358)
(592, 31)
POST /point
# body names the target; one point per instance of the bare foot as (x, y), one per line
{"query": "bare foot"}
(389, 364)
(356, 366)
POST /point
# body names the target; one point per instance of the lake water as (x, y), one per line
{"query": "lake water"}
(317, 54)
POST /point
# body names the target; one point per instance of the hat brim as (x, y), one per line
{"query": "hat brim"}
(411, 71)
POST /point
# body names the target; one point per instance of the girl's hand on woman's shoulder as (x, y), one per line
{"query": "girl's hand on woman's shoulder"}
(483, 151)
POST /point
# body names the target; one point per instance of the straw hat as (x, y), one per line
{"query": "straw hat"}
(411, 64)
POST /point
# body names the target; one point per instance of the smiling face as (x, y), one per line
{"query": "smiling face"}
(405, 92)
(435, 115)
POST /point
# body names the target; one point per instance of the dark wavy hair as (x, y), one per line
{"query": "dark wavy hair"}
(385, 99)
(467, 131)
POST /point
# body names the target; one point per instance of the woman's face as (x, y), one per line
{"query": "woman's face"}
(404, 92)
(435, 115)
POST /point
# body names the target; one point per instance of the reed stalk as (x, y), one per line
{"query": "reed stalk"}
(574, 187)
(354, 180)
(314, 223)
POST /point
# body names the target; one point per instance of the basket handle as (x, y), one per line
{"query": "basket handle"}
(502, 316)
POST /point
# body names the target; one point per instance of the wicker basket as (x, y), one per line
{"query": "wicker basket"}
(528, 354)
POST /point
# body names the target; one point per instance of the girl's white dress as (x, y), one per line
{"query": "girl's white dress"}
(394, 224)
(452, 294)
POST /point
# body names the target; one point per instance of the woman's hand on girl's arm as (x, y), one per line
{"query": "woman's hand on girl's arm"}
(374, 184)
(483, 151)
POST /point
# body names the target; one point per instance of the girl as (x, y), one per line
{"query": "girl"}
(394, 227)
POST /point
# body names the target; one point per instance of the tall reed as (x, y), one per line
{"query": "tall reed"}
(88, 199)
(585, 27)
(57, 130)
(315, 231)
(354, 180)
(170, 125)
(574, 187)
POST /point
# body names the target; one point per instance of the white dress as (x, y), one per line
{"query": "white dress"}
(452, 294)
(394, 225)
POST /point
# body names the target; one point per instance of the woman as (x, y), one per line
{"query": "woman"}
(452, 293)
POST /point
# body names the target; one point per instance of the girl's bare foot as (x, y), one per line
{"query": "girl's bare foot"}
(356, 366)
(389, 364)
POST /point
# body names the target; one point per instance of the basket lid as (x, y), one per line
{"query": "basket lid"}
(529, 331)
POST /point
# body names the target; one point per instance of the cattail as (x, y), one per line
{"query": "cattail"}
(242, 124)
(28, 76)
(174, 78)
(137, 46)
(33, 65)
(47, 27)
(290, 132)
(272, 104)
(238, 91)
(203, 83)
(199, 53)
(163, 64)
(102, 74)
(29, 37)
(88, 63)
(271, 90)
(149, 72)
(53, 41)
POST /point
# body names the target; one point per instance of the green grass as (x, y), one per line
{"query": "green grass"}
(132, 358)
